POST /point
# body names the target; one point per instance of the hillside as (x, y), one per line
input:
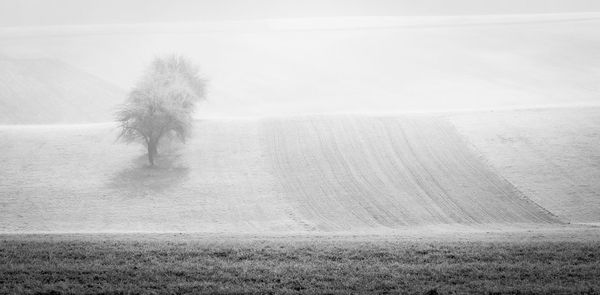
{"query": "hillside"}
(42, 91)
(551, 155)
(303, 174)
(359, 64)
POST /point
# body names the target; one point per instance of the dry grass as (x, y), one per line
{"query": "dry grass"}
(96, 264)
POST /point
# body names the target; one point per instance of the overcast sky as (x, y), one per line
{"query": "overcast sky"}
(75, 12)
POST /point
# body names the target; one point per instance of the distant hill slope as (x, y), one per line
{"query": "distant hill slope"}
(42, 91)
(361, 64)
(308, 174)
(551, 155)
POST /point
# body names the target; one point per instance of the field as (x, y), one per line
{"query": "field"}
(439, 155)
(308, 204)
(305, 174)
(551, 155)
(558, 262)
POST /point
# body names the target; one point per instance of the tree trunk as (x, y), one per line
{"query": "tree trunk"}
(152, 151)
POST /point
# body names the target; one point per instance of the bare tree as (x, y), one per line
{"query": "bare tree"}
(161, 104)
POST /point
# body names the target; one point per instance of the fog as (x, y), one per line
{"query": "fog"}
(337, 146)
(87, 12)
(346, 64)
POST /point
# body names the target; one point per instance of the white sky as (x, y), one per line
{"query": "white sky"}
(74, 12)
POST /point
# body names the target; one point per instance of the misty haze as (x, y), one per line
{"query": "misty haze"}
(303, 147)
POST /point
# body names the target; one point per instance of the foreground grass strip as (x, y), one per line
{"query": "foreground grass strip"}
(297, 266)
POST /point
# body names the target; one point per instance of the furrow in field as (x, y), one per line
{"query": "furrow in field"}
(352, 172)
(305, 174)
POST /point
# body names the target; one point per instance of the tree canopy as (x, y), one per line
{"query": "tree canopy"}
(161, 103)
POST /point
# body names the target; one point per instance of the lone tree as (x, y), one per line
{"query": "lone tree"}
(161, 104)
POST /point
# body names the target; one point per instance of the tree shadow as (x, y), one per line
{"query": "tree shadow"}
(140, 179)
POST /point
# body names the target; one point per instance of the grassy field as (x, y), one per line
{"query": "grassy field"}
(502, 264)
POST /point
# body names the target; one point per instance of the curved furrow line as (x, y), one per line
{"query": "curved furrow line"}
(378, 156)
(339, 138)
(287, 184)
(335, 180)
(389, 172)
(404, 167)
(347, 154)
(374, 181)
(439, 165)
(509, 192)
(501, 204)
(425, 179)
(401, 181)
